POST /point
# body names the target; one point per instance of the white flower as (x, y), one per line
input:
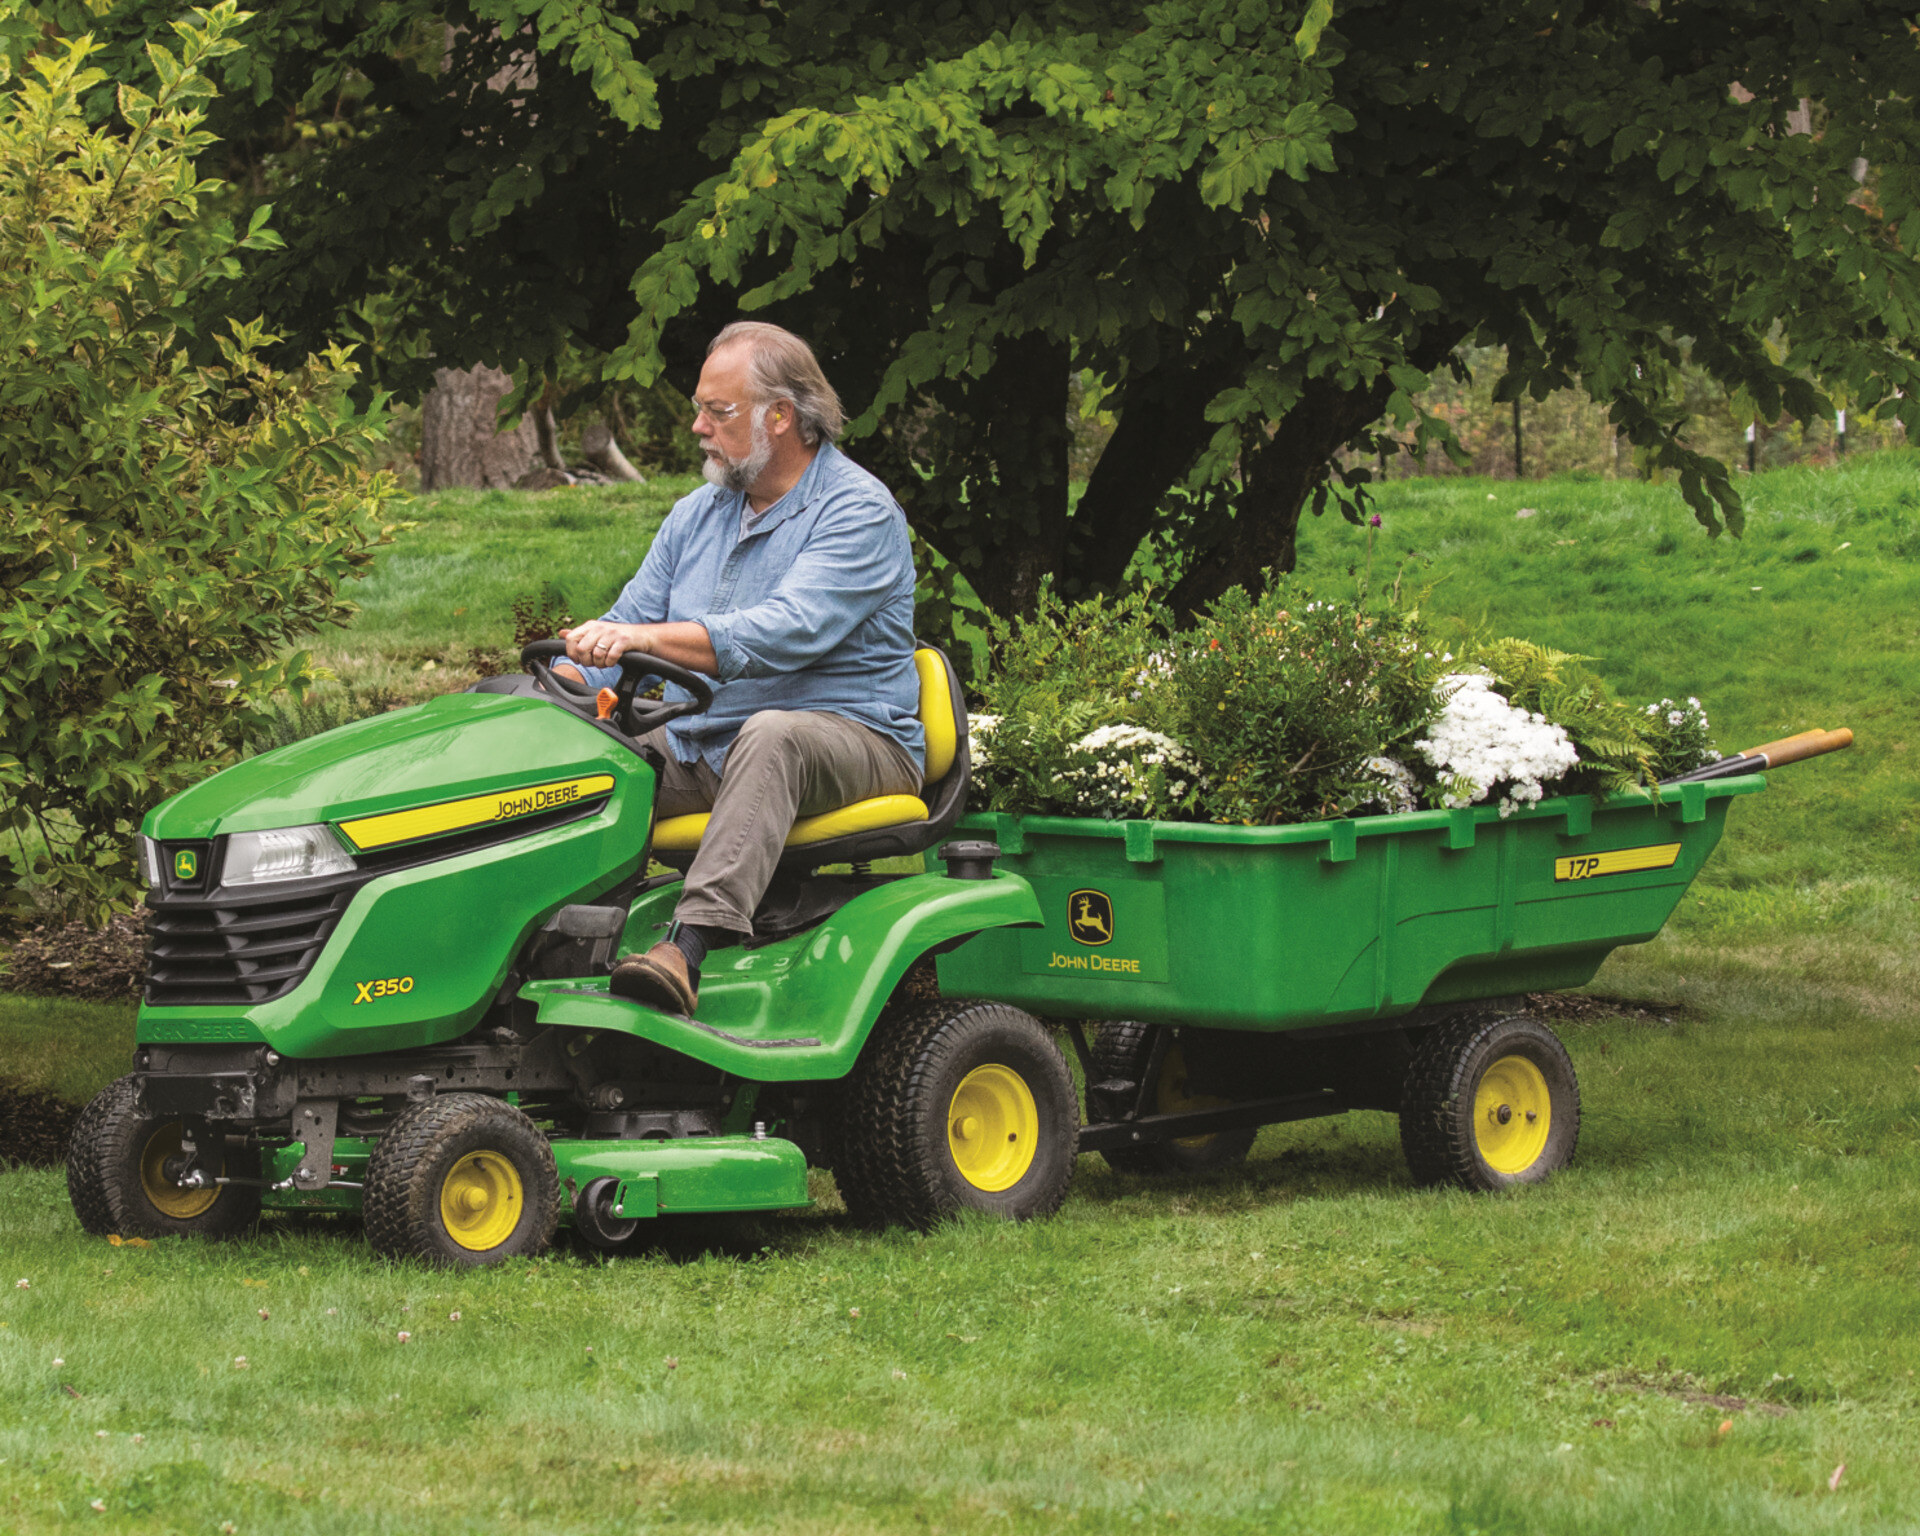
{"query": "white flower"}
(980, 729)
(1112, 771)
(1482, 741)
(1397, 785)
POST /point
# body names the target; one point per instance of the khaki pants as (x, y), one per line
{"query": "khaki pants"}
(783, 765)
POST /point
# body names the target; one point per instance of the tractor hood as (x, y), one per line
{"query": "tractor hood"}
(451, 748)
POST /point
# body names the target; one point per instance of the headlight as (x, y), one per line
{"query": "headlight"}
(149, 860)
(288, 853)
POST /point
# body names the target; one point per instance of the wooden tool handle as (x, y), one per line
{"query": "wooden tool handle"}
(1808, 744)
(1772, 747)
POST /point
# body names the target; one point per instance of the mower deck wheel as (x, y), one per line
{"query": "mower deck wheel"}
(1122, 1051)
(1489, 1102)
(118, 1179)
(460, 1181)
(955, 1106)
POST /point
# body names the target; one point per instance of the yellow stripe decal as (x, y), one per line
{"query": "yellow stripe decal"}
(456, 815)
(1622, 861)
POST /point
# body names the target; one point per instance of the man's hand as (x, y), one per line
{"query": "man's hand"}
(598, 643)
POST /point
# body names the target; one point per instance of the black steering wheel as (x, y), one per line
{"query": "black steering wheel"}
(634, 716)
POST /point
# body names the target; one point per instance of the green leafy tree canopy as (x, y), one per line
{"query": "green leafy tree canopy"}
(1258, 229)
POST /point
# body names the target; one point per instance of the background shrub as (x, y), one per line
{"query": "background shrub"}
(168, 527)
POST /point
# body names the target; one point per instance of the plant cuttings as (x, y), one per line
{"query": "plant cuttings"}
(1292, 707)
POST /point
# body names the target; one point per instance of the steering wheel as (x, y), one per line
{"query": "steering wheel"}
(633, 716)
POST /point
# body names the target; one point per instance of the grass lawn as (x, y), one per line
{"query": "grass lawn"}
(1690, 1330)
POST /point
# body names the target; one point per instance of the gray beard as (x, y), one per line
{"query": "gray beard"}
(740, 474)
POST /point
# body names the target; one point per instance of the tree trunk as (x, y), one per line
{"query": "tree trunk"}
(598, 446)
(997, 504)
(1277, 476)
(460, 444)
(1161, 431)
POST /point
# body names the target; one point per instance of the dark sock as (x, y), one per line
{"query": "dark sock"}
(694, 941)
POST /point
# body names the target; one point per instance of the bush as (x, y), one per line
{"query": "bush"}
(1289, 707)
(168, 527)
(284, 722)
(1268, 710)
(1285, 699)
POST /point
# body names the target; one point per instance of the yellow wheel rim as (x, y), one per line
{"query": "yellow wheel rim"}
(480, 1201)
(1512, 1114)
(1171, 1096)
(993, 1128)
(165, 1196)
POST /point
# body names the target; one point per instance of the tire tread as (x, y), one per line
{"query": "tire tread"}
(1435, 1137)
(893, 1175)
(396, 1205)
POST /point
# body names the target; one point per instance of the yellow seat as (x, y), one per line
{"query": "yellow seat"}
(681, 834)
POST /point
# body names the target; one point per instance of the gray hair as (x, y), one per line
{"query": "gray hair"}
(780, 366)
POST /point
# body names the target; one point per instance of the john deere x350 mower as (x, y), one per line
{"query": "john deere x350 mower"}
(377, 982)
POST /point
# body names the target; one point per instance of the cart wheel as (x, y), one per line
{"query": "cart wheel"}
(1122, 1051)
(118, 1181)
(957, 1106)
(460, 1181)
(1488, 1103)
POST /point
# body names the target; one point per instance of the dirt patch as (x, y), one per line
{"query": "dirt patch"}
(34, 1127)
(1684, 1389)
(1581, 1008)
(72, 960)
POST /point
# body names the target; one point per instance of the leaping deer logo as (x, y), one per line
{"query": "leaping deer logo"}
(1090, 917)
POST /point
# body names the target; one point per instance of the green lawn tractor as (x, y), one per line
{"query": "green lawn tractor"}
(377, 981)
(379, 960)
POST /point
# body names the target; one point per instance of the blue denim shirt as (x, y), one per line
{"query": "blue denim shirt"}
(810, 607)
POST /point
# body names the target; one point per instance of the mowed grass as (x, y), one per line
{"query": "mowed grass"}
(1689, 1330)
(447, 587)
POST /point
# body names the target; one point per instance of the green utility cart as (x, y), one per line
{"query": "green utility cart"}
(378, 984)
(1261, 974)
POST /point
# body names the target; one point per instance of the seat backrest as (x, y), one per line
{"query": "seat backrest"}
(937, 705)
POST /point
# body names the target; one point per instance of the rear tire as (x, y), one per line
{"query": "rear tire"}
(461, 1181)
(957, 1106)
(1489, 1103)
(116, 1176)
(1122, 1051)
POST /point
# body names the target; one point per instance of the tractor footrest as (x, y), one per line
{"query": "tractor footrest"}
(690, 1173)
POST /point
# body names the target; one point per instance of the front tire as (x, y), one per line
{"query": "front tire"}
(958, 1106)
(461, 1181)
(117, 1178)
(1490, 1103)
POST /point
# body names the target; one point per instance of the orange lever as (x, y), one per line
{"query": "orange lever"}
(604, 701)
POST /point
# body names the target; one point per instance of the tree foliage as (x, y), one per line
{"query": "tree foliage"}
(1258, 228)
(167, 529)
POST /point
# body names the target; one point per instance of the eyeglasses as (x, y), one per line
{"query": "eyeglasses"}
(718, 414)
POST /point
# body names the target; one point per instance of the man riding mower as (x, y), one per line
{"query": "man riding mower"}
(413, 966)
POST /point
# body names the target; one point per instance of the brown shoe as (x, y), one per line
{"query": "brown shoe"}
(658, 978)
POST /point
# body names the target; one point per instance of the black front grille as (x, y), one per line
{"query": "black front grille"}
(203, 953)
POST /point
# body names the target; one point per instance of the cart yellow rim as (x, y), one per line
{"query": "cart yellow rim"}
(1512, 1115)
(993, 1127)
(1171, 1097)
(480, 1201)
(165, 1196)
